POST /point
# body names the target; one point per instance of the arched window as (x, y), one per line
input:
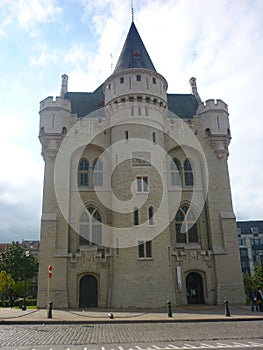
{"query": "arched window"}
(64, 131)
(90, 227)
(175, 173)
(185, 226)
(136, 216)
(83, 173)
(97, 172)
(188, 173)
(150, 215)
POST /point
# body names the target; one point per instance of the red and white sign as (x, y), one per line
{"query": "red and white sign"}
(50, 271)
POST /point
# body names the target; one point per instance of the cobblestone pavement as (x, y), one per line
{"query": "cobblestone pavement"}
(84, 334)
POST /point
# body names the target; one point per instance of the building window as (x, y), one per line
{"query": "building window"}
(145, 249)
(175, 173)
(83, 173)
(139, 111)
(188, 173)
(185, 226)
(126, 135)
(146, 112)
(154, 137)
(90, 227)
(142, 184)
(136, 216)
(154, 81)
(121, 80)
(97, 172)
(132, 111)
(138, 78)
(150, 215)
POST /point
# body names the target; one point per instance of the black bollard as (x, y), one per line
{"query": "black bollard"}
(170, 314)
(50, 309)
(227, 312)
(23, 306)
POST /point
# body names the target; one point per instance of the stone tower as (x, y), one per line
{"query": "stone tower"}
(136, 203)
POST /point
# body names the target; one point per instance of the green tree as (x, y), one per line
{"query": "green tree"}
(17, 263)
(6, 283)
(258, 276)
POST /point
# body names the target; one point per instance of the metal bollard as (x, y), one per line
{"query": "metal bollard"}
(50, 309)
(23, 306)
(227, 312)
(170, 314)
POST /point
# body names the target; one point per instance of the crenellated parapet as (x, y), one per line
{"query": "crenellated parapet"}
(57, 103)
(215, 125)
(211, 104)
(55, 121)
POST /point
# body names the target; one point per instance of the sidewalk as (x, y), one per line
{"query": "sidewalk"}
(189, 313)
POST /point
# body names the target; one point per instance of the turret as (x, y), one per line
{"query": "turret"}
(55, 120)
(135, 85)
(215, 125)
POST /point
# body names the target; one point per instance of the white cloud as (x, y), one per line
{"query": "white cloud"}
(220, 42)
(28, 13)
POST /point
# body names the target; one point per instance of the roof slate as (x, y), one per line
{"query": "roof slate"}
(134, 53)
(84, 103)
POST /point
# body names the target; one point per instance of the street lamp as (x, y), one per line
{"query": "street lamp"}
(24, 300)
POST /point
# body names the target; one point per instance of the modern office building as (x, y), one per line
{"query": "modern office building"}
(250, 241)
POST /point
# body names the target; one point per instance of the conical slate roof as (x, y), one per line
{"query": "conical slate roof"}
(134, 53)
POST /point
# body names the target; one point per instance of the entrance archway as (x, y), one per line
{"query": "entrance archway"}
(88, 291)
(194, 288)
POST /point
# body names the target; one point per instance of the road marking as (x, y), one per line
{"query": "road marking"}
(207, 345)
(241, 345)
(255, 344)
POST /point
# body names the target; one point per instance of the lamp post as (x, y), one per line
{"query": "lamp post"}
(24, 300)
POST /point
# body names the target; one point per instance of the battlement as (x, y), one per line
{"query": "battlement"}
(57, 103)
(212, 104)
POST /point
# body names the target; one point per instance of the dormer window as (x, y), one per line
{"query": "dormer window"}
(136, 54)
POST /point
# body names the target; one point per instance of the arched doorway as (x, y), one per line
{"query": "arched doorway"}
(88, 291)
(194, 288)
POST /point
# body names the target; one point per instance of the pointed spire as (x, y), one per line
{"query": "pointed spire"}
(134, 53)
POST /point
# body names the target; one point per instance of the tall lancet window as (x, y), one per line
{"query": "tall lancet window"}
(83, 172)
(90, 227)
(175, 173)
(185, 226)
(188, 173)
(97, 172)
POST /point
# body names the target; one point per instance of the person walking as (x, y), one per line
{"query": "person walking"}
(259, 299)
(253, 299)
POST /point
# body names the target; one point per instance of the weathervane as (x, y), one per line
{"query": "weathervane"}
(132, 10)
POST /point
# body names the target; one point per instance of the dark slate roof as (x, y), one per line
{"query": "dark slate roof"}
(83, 103)
(245, 226)
(134, 53)
(183, 105)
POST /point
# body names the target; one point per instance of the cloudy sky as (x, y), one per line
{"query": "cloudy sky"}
(220, 42)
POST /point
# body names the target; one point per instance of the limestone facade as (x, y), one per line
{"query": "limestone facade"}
(137, 205)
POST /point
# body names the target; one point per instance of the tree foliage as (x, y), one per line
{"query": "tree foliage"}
(255, 281)
(17, 263)
(6, 283)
